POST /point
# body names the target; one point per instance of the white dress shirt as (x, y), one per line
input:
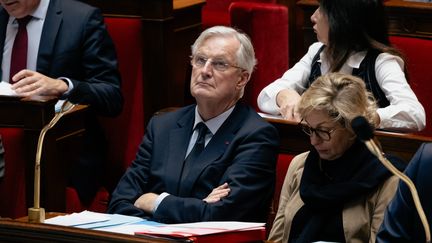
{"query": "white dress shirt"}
(405, 113)
(34, 32)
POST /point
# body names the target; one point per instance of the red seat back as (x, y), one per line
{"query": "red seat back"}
(215, 12)
(124, 132)
(282, 165)
(418, 54)
(267, 26)
(13, 184)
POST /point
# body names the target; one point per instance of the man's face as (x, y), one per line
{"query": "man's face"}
(212, 83)
(19, 8)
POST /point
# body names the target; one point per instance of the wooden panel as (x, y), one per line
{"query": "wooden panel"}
(32, 114)
(410, 18)
(294, 141)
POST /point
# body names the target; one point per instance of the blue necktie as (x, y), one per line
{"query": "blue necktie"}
(196, 150)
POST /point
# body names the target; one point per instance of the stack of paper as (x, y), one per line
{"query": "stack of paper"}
(92, 220)
(212, 231)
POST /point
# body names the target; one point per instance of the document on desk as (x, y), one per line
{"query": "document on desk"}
(184, 230)
(211, 232)
(92, 220)
(75, 219)
(5, 89)
(246, 231)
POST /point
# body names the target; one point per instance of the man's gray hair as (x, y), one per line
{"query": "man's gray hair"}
(245, 54)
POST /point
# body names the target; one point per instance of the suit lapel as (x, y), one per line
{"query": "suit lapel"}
(4, 18)
(50, 31)
(215, 148)
(177, 146)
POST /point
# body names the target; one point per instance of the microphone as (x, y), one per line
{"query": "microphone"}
(36, 214)
(364, 132)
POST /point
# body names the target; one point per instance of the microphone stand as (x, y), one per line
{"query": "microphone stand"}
(377, 152)
(36, 214)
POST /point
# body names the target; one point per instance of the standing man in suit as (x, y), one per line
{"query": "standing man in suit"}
(69, 55)
(233, 177)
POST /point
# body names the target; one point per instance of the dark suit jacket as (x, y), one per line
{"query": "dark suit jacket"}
(401, 222)
(242, 153)
(75, 44)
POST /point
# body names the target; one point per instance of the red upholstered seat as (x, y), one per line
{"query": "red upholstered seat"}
(283, 163)
(215, 12)
(418, 53)
(13, 184)
(267, 26)
(124, 133)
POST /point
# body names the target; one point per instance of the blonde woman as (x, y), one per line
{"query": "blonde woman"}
(338, 190)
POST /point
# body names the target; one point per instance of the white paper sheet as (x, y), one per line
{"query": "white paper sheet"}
(5, 89)
(75, 219)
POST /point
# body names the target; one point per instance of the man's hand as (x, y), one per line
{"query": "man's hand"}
(287, 101)
(218, 193)
(146, 202)
(31, 83)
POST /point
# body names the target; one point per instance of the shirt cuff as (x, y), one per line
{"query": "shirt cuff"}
(159, 200)
(69, 83)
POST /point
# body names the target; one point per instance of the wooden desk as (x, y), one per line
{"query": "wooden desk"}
(179, 4)
(22, 231)
(17, 231)
(295, 141)
(32, 115)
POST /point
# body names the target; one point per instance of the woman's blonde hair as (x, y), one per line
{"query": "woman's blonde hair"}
(342, 96)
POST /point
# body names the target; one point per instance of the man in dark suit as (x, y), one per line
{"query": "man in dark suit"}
(233, 177)
(70, 55)
(402, 222)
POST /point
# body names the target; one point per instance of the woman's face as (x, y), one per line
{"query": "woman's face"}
(338, 138)
(320, 25)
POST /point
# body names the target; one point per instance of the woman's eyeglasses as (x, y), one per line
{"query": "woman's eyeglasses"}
(322, 134)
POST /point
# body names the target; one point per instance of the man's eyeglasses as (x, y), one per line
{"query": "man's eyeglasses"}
(199, 61)
(322, 134)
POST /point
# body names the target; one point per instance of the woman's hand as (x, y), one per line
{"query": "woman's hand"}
(287, 101)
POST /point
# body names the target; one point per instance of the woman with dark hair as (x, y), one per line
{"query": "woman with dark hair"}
(338, 191)
(353, 39)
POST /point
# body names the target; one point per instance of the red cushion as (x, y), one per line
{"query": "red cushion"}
(13, 185)
(267, 26)
(124, 133)
(99, 203)
(418, 54)
(126, 34)
(282, 165)
(215, 12)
